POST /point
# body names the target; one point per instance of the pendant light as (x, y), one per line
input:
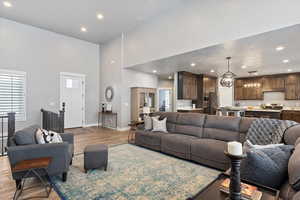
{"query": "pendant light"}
(227, 78)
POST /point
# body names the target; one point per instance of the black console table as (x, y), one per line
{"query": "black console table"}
(105, 116)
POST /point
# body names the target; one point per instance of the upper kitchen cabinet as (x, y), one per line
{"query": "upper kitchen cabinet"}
(273, 83)
(187, 86)
(292, 89)
(209, 85)
(252, 88)
(248, 89)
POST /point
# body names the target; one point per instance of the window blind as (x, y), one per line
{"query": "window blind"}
(12, 93)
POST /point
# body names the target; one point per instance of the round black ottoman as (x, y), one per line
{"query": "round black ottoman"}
(95, 156)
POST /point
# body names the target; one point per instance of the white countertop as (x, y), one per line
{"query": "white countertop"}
(189, 108)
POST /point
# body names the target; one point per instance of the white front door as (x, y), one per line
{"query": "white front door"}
(73, 94)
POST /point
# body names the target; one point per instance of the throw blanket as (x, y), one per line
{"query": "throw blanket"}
(264, 131)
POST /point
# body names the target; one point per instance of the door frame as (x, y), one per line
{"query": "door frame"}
(83, 91)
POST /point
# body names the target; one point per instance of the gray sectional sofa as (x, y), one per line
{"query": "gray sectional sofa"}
(203, 138)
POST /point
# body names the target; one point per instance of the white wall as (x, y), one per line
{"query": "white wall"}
(200, 24)
(113, 74)
(225, 95)
(165, 83)
(43, 55)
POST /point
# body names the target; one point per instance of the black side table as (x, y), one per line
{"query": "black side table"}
(212, 191)
(31, 168)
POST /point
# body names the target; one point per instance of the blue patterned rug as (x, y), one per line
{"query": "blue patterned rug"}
(135, 173)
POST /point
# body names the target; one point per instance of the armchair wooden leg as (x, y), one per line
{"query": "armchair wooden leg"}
(18, 183)
(71, 162)
(64, 176)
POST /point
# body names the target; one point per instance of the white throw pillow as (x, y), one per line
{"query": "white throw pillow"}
(43, 136)
(148, 122)
(159, 125)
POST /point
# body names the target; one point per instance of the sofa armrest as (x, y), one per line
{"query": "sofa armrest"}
(68, 137)
(57, 151)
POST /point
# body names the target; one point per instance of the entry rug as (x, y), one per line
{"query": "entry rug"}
(135, 173)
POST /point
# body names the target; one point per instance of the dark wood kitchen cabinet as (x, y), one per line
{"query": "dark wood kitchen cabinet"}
(187, 86)
(293, 115)
(248, 89)
(253, 88)
(292, 89)
(273, 83)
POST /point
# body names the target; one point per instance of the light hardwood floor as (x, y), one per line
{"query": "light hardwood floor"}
(83, 137)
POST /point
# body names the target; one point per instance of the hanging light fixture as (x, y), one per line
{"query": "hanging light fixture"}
(227, 78)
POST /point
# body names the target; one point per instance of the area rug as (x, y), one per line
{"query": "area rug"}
(135, 173)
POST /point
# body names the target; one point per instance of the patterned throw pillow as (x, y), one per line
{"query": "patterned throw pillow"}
(43, 137)
(159, 125)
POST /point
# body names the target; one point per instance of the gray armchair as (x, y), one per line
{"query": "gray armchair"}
(61, 154)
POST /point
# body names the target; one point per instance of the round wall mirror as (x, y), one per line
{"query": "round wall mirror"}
(109, 94)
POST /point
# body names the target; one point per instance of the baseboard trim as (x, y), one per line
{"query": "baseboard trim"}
(123, 129)
(90, 125)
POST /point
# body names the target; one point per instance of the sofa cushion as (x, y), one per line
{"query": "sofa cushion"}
(177, 144)
(148, 138)
(222, 128)
(244, 126)
(26, 136)
(210, 150)
(291, 135)
(286, 191)
(294, 169)
(267, 166)
(190, 124)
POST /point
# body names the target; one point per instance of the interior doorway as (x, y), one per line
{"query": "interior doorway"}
(72, 92)
(165, 99)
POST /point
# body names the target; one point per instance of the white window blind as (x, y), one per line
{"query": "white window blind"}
(12, 93)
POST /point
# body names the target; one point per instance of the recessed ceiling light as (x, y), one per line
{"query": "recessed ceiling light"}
(154, 71)
(193, 64)
(112, 62)
(289, 70)
(83, 29)
(280, 48)
(286, 61)
(244, 67)
(100, 16)
(7, 4)
(212, 71)
(170, 77)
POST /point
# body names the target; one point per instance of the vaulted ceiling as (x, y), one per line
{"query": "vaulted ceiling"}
(69, 16)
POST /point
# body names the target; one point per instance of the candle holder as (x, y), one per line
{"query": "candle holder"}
(235, 176)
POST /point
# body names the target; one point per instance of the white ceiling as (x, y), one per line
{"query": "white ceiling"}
(256, 52)
(67, 16)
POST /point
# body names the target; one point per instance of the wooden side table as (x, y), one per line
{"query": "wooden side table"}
(212, 191)
(33, 167)
(133, 127)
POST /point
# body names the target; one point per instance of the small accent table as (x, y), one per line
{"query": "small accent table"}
(113, 119)
(212, 191)
(33, 167)
(133, 127)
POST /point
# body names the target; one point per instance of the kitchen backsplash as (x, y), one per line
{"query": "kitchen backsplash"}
(184, 103)
(270, 97)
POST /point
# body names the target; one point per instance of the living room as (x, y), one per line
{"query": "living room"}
(149, 99)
